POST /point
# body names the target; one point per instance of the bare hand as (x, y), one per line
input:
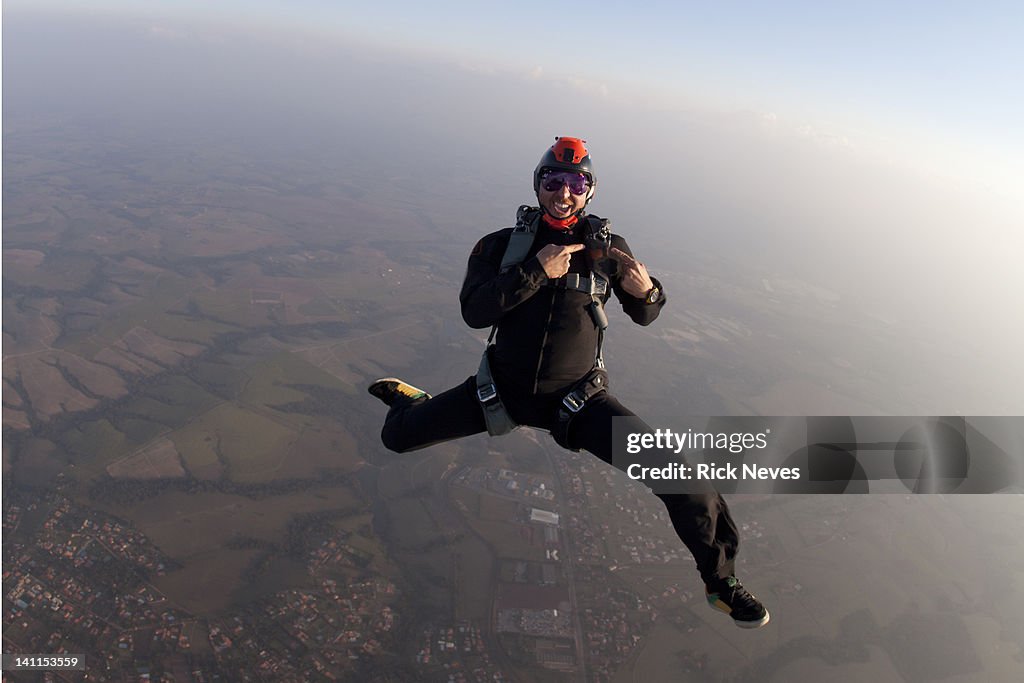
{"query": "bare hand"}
(635, 279)
(554, 258)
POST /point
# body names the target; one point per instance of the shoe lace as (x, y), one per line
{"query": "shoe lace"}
(739, 597)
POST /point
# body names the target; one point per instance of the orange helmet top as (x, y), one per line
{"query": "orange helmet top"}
(567, 154)
(570, 150)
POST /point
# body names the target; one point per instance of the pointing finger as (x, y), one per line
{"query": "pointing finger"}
(573, 247)
(622, 256)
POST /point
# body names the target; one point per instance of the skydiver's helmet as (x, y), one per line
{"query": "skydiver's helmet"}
(567, 154)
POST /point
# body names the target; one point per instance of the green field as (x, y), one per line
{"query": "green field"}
(230, 305)
(412, 527)
(95, 439)
(320, 306)
(205, 585)
(167, 414)
(195, 530)
(137, 430)
(490, 518)
(497, 509)
(164, 293)
(508, 538)
(272, 380)
(198, 450)
(254, 447)
(323, 445)
(219, 377)
(62, 272)
(179, 390)
(188, 328)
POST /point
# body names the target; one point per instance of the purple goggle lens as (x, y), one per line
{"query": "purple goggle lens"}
(576, 182)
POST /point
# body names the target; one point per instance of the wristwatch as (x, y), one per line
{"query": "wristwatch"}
(653, 295)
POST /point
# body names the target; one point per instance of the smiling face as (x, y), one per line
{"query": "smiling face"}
(561, 202)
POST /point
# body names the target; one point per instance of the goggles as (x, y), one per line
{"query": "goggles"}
(576, 182)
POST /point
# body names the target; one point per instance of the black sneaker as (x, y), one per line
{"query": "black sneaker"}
(728, 595)
(391, 390)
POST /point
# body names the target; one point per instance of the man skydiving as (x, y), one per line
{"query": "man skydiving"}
(542, 287)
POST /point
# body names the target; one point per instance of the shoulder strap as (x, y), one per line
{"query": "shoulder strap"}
(519, 243)
(521, 239)
(496, 416)
(598, 225)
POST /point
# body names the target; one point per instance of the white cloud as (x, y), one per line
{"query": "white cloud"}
(824, 138)
(589, 87)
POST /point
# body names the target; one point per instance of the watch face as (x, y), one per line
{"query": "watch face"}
(653, 296)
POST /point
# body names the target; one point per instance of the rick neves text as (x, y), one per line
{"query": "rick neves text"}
(711, 471)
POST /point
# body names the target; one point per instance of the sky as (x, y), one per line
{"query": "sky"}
(875, 150)
(936, 84)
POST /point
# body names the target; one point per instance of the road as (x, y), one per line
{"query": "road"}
(567, 562)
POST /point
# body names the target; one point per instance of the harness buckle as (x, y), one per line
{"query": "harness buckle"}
(574, 401)
(486, 394)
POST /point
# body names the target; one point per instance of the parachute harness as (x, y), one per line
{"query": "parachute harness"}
(597, 240)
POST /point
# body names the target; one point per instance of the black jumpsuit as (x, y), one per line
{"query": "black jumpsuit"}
(546, 341)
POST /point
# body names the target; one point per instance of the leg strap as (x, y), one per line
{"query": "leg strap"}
(498, 420)
(593, 383)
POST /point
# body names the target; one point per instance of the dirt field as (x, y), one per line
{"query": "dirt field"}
(157, 460)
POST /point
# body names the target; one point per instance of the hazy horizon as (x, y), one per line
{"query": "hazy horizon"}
(931, 253)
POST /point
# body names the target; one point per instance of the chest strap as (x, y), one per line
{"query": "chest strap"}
(594, 286)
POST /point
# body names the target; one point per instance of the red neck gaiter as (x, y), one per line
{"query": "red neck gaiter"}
(560, 223)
